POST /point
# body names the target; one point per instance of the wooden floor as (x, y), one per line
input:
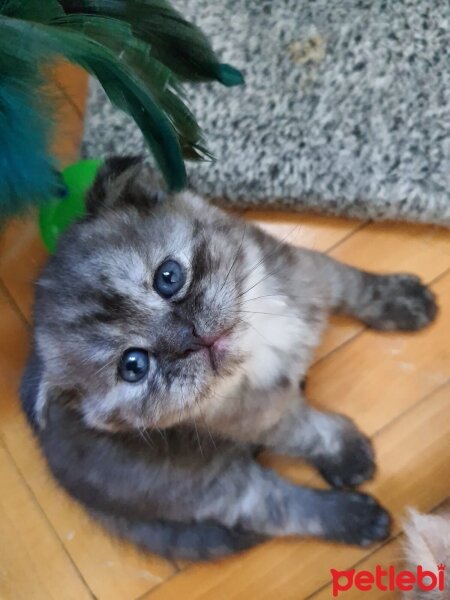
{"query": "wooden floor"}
(396, 387)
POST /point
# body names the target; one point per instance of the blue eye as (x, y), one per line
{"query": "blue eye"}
(169, 278)
(134, 365)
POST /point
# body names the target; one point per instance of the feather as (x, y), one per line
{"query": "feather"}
(27, 174)
(159, 80)
(180, 45)
(139, 50)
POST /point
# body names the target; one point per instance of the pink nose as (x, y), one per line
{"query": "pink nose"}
(209, 340)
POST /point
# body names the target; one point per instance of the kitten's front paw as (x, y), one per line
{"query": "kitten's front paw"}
(353, 465)
(360, 520)
(400, 302)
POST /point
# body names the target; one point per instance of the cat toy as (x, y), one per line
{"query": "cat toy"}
(141, 52)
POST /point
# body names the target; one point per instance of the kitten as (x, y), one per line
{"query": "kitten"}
(170, 341)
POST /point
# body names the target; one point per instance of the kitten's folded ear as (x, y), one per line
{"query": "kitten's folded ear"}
(36, 393)
(125, 181)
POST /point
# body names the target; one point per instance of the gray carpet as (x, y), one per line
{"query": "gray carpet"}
(346, 108)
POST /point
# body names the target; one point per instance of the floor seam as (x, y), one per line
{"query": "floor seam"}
(347, 236)
(13, 304)
(69, 99)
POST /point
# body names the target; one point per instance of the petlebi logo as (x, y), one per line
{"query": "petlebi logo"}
(388, 580)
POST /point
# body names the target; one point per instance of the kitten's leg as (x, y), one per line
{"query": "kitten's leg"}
(263, 507)
(390, 302)
(329, 441)
(387, 302)
(189, 541)
(247, 505)
(178, 482)
(254, 499)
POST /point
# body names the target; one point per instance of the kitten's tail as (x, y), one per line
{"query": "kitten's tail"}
(192, 541)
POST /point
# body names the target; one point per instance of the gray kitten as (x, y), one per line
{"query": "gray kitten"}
(170, 341)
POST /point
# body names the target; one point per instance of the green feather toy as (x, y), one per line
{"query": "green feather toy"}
(139, 50)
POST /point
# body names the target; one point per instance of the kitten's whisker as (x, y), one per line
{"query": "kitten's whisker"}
(146, 441)
(194, 422)
(196, 389)
(266, 276)
(278, 245)
(105, 366)
(235, 257)
(264, 296)
(202, 231)
(198, 437)
(258, 332)
(232, 302)
(142, 430)
(259, 312)
(264, 258)
(162, 433)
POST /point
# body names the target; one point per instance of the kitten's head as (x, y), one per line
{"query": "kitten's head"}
(137, 312)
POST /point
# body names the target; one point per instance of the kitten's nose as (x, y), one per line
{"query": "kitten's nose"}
(209, 340)
(189, 341)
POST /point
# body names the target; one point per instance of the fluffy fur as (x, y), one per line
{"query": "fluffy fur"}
(427, 543)
(169, 461)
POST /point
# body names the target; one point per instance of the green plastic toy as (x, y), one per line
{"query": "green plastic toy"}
(57, 214)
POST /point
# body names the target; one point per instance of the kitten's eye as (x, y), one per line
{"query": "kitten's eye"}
(134, 365)
(169, 278)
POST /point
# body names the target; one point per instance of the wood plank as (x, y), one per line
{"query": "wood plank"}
(394, 247)
(307, 230)
(22, 256)
(389, 555)
(413, 470)
(66, 87)
(33, 563)
(341, 329)
(111, 569)
(73, 81)
(387, 248)
(68, 131)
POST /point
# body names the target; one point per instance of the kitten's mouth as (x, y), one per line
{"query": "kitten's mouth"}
(218, 351)
(214, 349)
